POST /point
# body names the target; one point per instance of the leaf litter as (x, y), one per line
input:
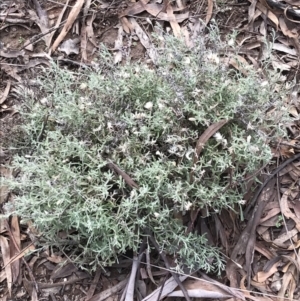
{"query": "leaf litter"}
(268, 248)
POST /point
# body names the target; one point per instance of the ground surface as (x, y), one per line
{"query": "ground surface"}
(264, 249)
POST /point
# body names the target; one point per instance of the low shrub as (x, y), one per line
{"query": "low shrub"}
(82, 126)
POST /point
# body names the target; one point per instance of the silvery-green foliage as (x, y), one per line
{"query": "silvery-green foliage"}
(147, 120)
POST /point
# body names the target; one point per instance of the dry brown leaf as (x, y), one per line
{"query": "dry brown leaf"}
(6, 258)
(4, 191)
(286, 31)
(11, 53)
(266, 196)
(173, 22)
(83, 42)
(283, 240)
(231, 290)
(285, 210)
(2, 276)
(157, 11)
(6, 92)
(42, 24)
(71, 18)
(11, 71)
(210, 6)
(90, 29)
(198, 284)
(63, 271)
(199, 293)
(271, 213)
(15, 245)
(42, 21)
(55, 258)
(84, 31)
(289, 282)
(268, 13)
(186, 36)
(264, 250)
(293, 111)
(34, 296)
(168, 287)
(30, 248)
(57, 24)
(148, 266)
(118, 46)
(109, 292)
(209, 132)
(70, 46)
(239, 63)
(94, 284)
(251, 13)
(136, 8)
(144, 39)
(285, 49)
(127, 26)
(262, 276)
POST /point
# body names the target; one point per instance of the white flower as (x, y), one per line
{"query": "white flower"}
(220, 139)
(188, 205)
(148, 105)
